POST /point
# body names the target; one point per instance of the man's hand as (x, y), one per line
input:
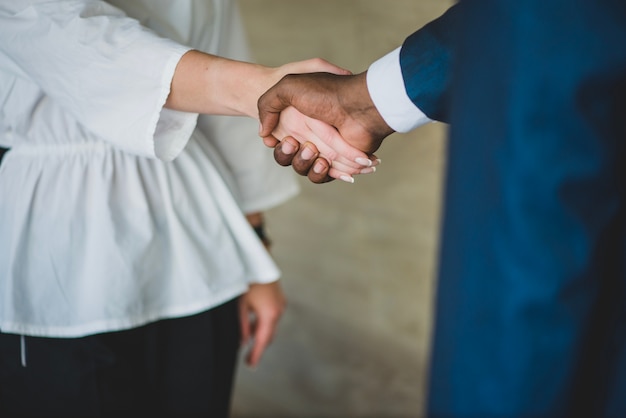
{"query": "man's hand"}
(342, 101)
(322, 139)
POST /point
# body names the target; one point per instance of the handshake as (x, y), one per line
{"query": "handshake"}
(319, 118)
(322, 123)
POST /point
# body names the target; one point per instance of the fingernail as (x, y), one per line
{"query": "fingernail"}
(318, 168)
(347, 179)
(287, 148)
(260, 128)
(307, 153)
(378, 160)
(368, 170)
(364, 161)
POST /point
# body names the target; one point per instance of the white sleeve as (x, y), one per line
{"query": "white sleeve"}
(102, 67)
(386, 87)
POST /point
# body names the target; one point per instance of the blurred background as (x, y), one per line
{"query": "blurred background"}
(358, 260)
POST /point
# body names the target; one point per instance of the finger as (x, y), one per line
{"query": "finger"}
(348, 176)
(336, 146)
(373, 162)
(262, 338)
(329, 67)
(318, 65)
(286, 150)
(340, 175)
(303, 160)
(268, 118)
(368, 170)
(269, 105)
(307, 162)
(270, 141)
(319, 172)
(347, 169)
(326, 138)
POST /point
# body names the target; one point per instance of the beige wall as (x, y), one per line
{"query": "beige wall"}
(358, 259)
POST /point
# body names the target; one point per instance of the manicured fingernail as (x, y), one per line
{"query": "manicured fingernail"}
(347, 179)
(260, 128)
(318, 168)
(307, 153)
(287, 148)
(378, 160)
(368, 170)
(364, 161)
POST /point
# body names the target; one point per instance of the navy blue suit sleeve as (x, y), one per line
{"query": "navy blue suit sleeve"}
(426, 61)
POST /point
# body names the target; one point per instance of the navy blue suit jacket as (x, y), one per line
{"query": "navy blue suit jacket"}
(531, 300)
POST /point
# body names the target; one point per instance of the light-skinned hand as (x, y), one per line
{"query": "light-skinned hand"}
(341, 101)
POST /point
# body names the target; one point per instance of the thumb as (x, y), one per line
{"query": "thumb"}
(269, 106)
(268, 122)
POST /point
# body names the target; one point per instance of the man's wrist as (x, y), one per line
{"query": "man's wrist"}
(386, 88)
(375, 122)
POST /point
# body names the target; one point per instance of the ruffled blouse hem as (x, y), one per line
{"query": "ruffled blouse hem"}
(125, 323)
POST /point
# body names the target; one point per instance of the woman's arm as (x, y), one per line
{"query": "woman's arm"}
(208, 84)
(205, 83)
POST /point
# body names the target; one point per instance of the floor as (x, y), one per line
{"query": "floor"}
(358, 260)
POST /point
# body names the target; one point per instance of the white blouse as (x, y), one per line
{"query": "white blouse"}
(114, 211)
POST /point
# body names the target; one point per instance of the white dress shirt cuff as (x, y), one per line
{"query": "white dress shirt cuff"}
(386, 88)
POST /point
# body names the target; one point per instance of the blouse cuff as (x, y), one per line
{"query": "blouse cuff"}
(172, 128)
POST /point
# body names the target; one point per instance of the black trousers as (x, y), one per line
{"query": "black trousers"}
(180, 367)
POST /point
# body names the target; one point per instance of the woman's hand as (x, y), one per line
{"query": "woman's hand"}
(342, 101)
(205, 83)
(329, 148)
(260, 310)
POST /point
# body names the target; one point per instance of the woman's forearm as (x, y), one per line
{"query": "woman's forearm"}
(213, 85)
(209, 84)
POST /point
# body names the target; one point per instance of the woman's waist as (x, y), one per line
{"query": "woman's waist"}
(64, 145)
(51, 149)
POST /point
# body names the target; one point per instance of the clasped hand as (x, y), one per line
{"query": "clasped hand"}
(327, 123)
